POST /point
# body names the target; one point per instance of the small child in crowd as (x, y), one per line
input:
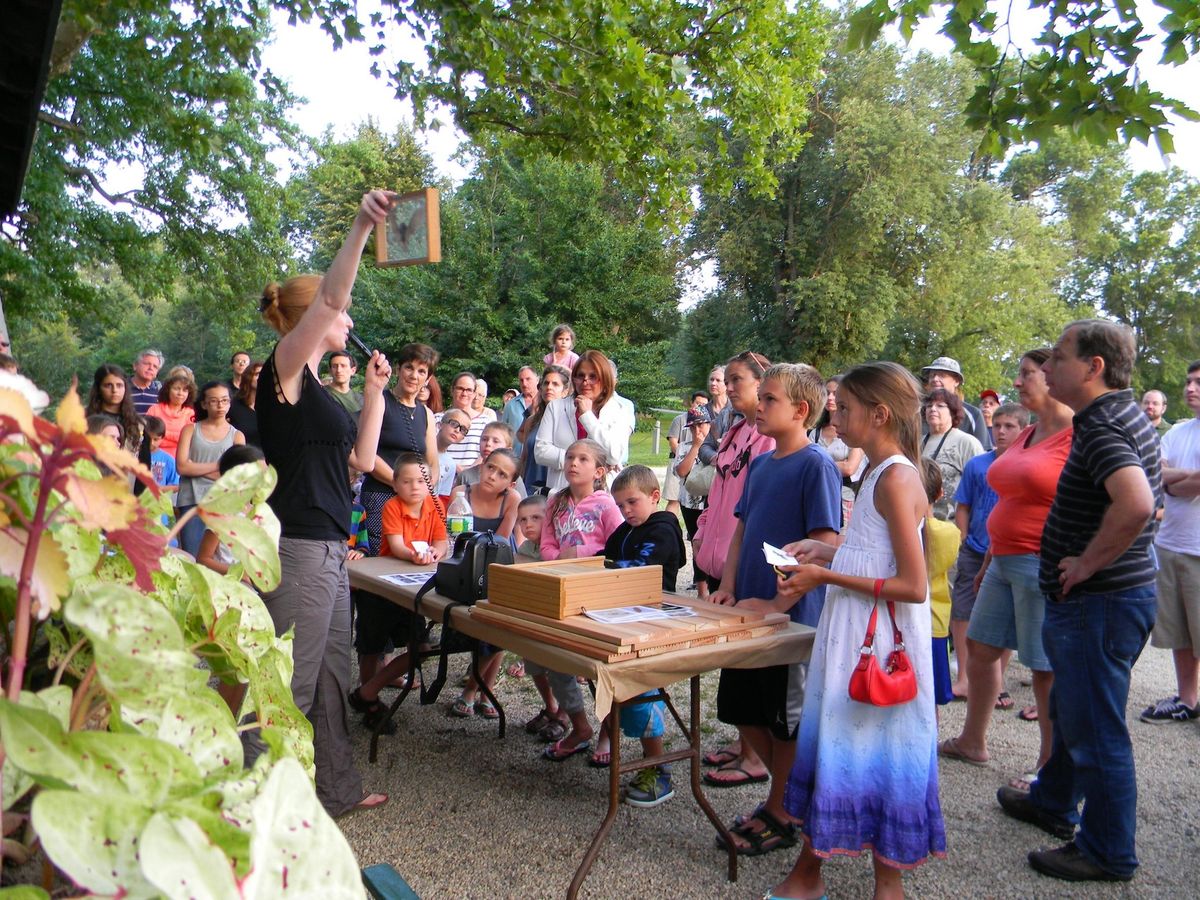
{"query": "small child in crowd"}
(494, 503)
(562, 343)
(216, 556)
(793, 493)
(550, 724)
(105, 425)
(942, 540)
(495, 436)
(975, 501)
(359, 541)
(579, 520)
(451, 429)
(647, 537)
(409, 518)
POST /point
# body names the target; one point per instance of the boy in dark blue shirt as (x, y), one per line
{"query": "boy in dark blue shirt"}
(792, 493)
(647, 537)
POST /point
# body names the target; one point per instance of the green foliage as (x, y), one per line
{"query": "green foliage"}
(129, 762)
(1083, 76)
(150, 177)
(528, 242)
(642, 89)
(885, 238)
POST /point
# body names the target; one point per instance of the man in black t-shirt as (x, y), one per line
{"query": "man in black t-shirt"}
(1097, 575)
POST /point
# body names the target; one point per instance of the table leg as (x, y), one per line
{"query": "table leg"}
(413, 668)
(614, 799)
(701, 800)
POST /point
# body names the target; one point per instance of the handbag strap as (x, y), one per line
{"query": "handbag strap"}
(869, 640)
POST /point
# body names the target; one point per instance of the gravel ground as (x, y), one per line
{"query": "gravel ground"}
(473, 816)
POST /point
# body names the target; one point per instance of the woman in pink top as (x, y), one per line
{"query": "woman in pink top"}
(176, 407)
(1009, 607)
(739, 445)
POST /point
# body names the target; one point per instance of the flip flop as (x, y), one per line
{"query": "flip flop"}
(1028, 714)
(775, 835)
(719, 757)
(1004, 700)
(949, 748)
(601, 759)
(556, 752)
(712, 781)
(371, 801)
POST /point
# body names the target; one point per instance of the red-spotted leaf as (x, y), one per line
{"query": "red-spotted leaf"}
(142, 546)
(106, 503)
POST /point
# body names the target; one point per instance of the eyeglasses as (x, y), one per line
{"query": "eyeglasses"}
(464, 390)
(586, 376)
(213, 401)
(455, 426)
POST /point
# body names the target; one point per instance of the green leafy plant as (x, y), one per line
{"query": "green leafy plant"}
(118, 756)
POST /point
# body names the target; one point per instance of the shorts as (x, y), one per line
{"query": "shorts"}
(381, 624)
(943, 692)
(1010, 608)
(962, 593)
(768, 698)
(644, 720)
(670, 483)
(1178, 623)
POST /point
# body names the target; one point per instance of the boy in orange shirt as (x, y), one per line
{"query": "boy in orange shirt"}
(411, 516)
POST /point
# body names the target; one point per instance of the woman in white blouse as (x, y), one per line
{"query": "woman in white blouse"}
(596, 411)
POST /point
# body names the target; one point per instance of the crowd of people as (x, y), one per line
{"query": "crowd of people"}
(1027, 525)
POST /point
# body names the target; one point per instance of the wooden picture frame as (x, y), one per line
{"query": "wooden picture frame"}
(412, 233)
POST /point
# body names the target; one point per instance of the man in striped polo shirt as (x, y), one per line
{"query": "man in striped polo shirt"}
(1097, 574)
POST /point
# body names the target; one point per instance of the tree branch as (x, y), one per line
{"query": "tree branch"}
(58, 122)
(114, 199)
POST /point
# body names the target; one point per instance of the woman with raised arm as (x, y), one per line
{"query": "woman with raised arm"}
(309, 438)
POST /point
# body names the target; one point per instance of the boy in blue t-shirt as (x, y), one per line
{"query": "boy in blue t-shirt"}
(162, 464)
(792, 493)
(975, 500)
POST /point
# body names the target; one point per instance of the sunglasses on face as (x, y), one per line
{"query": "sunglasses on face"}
(456, 426)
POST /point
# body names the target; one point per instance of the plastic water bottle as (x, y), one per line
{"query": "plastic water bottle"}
(459, 517)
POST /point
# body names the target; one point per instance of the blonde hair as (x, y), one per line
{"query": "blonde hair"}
(802, 384)
(636, 478)
(283, 305)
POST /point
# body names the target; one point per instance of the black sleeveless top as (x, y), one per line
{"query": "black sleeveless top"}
(486, 524)
(245, 420)
(309, 443)
(403, 429)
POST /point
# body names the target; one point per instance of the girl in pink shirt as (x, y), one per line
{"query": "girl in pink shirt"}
(581, 517)
(578, 522)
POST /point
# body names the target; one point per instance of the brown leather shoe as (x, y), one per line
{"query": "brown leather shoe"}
(1018, 805)
(1069, 864)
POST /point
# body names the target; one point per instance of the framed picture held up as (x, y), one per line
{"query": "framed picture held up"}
(412, 233)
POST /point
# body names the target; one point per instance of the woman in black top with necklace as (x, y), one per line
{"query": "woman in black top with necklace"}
(310, 439)
(407, 427)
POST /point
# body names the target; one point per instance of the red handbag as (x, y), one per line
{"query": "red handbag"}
(892, 684)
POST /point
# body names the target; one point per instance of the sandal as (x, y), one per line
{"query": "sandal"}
(462, 708)
(373, 712)
(555, 731)
(720, 757)
(538, 722)
(774, 835)
(1023, 782)
(710, 778)
(601, 759)
(485, 709)
(369, 801)
(1028, 714)
(557, 751)
(1004, 701)
(949, 748)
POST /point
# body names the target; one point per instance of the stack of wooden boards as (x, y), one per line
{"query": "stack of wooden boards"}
(552, 613)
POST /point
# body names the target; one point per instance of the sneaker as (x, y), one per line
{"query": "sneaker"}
(1170, 709)
(649, 787)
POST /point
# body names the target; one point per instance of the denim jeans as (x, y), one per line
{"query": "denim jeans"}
(1092, 641)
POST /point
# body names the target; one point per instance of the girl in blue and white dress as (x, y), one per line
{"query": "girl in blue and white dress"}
(865, 777)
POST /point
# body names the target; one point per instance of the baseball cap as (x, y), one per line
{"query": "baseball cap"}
(988, 392)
